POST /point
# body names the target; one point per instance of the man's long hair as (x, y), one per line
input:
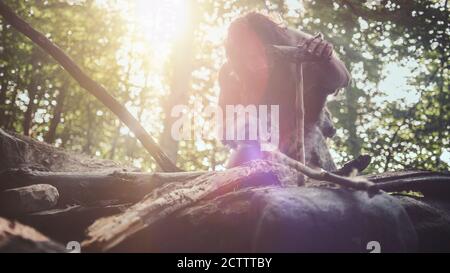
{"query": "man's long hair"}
(268, 31)
(277, 86)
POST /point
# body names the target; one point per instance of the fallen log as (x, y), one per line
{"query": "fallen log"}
(91, 187)
(430, 184)
(431, 220)
(19, 151)
(70, 223)
(281, 219)
(106, 233)
(236, 214)
(15, 237)
(28, 199)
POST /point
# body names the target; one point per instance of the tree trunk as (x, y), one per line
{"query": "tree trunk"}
(29, 113)
(4, 71)
(89, 129)
(57, 113)
(3, 90)
(32, 94)
(354, 143)
(10, 118)
(116, 136)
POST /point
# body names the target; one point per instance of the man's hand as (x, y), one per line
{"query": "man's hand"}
(318, 47)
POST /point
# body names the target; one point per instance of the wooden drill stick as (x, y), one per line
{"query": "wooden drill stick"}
(300, 119)
(296, 55)
(91, 86)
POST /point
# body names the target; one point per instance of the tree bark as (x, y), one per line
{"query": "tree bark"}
(92, 187)
(15, 237)
(29, 199)
(106, 233)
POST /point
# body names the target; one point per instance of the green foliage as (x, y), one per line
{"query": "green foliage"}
(368, 36)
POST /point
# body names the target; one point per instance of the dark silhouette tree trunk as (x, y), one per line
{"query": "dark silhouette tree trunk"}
(354, 143)
(4, 77)
(32, 94)
(112, 152)
(11, 116)
(51, 134)
(29, 113)
(3, 90)
(87, 146)
(442, 112)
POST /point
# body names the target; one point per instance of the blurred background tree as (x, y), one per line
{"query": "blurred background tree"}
(155, 54)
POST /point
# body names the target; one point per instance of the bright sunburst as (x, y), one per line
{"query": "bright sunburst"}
(160, 21)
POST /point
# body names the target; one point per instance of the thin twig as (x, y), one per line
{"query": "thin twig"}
(358, 183)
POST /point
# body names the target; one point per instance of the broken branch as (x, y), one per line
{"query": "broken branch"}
(359, 183)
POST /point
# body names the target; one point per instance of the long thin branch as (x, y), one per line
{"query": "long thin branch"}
(359, 183)
(91, 86)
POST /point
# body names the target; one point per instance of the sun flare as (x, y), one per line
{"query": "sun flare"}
(161, 22)
(154, 27)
